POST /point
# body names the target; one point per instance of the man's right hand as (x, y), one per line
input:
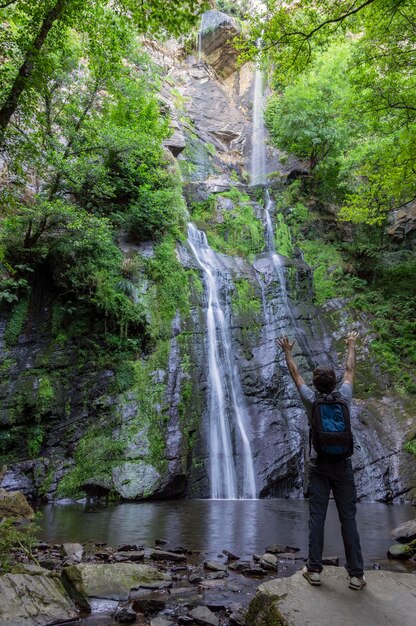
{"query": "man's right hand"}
(351, 338)
(284, 344)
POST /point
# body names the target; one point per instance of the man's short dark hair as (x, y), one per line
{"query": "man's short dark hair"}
(324, 379)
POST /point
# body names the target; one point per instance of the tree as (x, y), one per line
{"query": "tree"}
(45, 20)
(85, 159)
(307, 121)
(379, 169)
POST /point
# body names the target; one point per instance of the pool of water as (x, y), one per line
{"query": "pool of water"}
(244, 527)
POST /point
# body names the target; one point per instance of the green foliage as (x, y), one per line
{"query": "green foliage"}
(283, 238)
(169, 291)
(11, 287)
(390, 301)
(152, 414)
(17, 535)
(156, 213)
(239, 232)
(307, 120)
(35, 437)
(356, 124)
(245, 299)
(96, 135)
(327, 264)
(15, 322)
(410, 446)
(96, 454)
(235, 8)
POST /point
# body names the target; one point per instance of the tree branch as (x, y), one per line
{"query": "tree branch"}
(25, 72)
(7, 4)
(333, 20)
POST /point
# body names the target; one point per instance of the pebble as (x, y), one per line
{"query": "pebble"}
(216, 575)
(196, 577)
(230, 555)
(129, 546)
(161, 555)
(125, 615)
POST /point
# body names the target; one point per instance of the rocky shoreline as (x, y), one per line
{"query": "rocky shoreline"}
(161, 585)
(145, 586)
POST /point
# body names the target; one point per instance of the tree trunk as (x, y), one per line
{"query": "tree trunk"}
(26, 69)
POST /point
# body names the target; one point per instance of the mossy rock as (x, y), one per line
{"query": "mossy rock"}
(112, 581)
(263, 612)
(14, 504)
(402, 552)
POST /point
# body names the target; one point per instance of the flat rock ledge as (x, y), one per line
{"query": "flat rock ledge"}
(388, 598)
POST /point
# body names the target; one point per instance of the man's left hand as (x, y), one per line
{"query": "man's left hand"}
(284, 344)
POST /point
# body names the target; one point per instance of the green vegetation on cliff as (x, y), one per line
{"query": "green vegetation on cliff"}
(231, 227)
(87, 182)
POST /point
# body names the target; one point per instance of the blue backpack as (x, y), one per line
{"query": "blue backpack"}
(330, 431)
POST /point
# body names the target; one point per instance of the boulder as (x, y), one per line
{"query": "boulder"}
(202, 615)
(112, 581)
(135, 480)
(402, 552)
(37, 600)
(217, 33)
(72, 550)
(215, 566)
(388, 598)
(14, 504)
(405, 532)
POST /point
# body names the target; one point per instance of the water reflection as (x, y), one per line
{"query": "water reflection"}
(244, 527)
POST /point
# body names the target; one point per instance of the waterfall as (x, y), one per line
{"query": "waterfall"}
(199, 42)
(278, 267)
(228, 417)
(258, 146)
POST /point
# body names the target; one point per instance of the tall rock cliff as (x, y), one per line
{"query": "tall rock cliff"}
(58, 394)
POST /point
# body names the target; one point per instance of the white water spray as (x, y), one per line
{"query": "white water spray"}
(228, 417)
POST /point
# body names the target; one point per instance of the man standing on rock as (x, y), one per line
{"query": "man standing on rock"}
(330, 467)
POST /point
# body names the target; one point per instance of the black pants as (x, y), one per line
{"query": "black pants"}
(338, 476)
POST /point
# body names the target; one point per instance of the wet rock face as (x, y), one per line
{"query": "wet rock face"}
(217, 33)
(83, 395)
(278, 428)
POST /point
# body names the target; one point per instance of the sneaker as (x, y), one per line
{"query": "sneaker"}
(314, 578)
(357, 582)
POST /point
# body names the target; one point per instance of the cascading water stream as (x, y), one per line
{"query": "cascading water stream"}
(228, 418)
(280, 274)
(258, 146)
(199, 43)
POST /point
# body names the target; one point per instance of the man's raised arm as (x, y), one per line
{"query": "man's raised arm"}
(350, 366)
(286, 346)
